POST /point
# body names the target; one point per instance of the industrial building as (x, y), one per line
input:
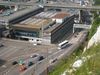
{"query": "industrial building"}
(49, 27)
(31, 27)
(10, 18)
(57, 31)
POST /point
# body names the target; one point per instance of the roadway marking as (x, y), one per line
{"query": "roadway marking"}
(11, 52)
(8, 52)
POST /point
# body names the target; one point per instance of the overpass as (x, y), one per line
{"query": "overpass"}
(72, 6)
(16, 3)
(47, 5)
(83, 26)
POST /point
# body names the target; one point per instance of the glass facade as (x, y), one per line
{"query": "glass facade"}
(27, 33)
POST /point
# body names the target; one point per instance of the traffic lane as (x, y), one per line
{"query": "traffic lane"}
(40, 67)
(9, 65)
(65, 52)
(13, 71)
(15, 68)
(12, 68)
(24, 48)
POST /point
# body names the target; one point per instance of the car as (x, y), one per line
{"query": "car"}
(34, 55)
(40, 58)
(14, 63)
(53, 60)
(1, 45)
(22, 68)
(30, 63)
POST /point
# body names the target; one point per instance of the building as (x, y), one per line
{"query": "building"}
(60, 17)
(57, 31)
(10, 18)
(31, 27)
(2, 28)
(45, 27)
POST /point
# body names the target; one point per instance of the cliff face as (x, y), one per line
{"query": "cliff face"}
(95, 39)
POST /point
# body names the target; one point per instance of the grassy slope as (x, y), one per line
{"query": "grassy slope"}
(90, 67)
(97, 2)
(65, 63)
(95, 24)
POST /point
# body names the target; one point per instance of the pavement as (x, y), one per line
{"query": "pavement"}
(17, 49)
(38, 68)
(14, 50)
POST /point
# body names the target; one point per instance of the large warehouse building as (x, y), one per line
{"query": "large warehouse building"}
(8, 17)
(31, 27)
(45, 27)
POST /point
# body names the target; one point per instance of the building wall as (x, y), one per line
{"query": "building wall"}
(1, 30)
(27, 33)
(58, 33)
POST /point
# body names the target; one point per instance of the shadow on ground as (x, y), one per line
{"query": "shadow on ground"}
(2, 62)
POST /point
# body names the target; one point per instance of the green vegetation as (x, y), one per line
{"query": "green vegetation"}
(90, 67)
(97, 2)
(65, 63)
(95, 24)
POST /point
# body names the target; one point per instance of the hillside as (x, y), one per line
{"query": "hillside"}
(90, 59)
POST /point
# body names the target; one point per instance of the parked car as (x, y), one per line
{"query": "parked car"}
(53, 60)
(34, 55)
(22, 68)
(14, 63)
(1, 45)
(30, 63)
(40, 58)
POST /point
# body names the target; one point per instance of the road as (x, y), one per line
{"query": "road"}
(41, 66)
(72, 6)
(50, 52)
(16, 49)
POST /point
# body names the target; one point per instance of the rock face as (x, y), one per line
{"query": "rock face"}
(95, 39)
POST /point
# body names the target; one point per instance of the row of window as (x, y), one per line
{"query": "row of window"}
(26, 34)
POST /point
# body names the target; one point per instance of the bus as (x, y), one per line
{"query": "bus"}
(62, 44)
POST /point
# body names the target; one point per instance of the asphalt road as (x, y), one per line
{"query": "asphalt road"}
(41, 66)
(49, 52)
(15, 50)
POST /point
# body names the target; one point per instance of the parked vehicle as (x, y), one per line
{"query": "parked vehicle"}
(34, 55)
(30, 63)
(14, 63)
(53, 60)
(1, 45)
(22, 68)
(40, 58)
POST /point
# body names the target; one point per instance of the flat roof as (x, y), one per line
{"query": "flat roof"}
(33, 23)
(18, 14)
(46, 14)
(61, 15)
(51, 28)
